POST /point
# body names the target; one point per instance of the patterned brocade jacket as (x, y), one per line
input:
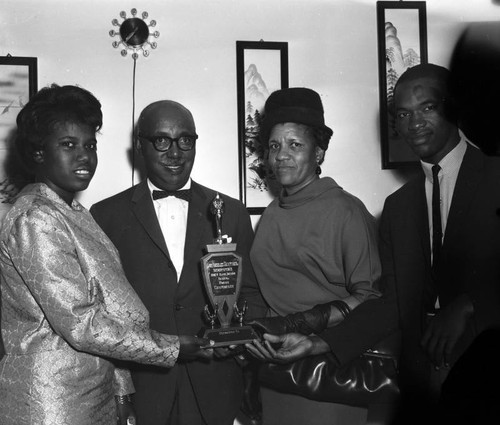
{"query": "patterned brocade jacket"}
(67, 309)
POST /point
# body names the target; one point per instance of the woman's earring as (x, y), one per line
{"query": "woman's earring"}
(318, 170)
(38, 157)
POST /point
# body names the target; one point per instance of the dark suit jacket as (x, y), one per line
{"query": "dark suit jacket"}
(130, 221)
(470, 264)
(470, 256)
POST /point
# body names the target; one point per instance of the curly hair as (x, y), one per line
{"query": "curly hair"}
(49, 107)
(322, 138)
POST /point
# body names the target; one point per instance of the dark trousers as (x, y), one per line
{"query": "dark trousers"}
(470, 393)
(185, 410)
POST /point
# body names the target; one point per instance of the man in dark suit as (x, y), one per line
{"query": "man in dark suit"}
(161, 239)
(440, 250)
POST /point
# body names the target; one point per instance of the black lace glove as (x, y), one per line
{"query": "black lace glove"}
(314, 320)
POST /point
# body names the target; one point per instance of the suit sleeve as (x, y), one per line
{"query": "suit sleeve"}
(43, 252)
(483, 289)
(99, 216)
(373, 320)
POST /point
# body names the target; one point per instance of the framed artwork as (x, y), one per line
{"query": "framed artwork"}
(402, 43)
(18, 82)
(261, 67)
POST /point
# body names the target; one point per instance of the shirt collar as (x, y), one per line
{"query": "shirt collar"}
(451, 162)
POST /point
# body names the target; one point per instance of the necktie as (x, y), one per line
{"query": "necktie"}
(184, 194)
(437, 231)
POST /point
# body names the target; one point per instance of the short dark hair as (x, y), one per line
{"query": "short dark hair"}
(49, 107)
(442, 76)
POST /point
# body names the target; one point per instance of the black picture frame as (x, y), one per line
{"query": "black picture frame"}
(257, 62)
(18, 83)
(402, 43)
(21, 72)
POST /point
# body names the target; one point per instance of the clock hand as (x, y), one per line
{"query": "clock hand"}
(131, 35)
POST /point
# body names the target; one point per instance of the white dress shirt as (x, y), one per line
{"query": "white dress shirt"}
(172, 215)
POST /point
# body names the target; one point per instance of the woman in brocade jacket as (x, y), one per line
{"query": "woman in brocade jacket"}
(67, 308)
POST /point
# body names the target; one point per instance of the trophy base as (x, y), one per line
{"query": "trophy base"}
(232, 335)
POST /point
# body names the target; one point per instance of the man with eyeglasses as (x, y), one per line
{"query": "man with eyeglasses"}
(161, 227)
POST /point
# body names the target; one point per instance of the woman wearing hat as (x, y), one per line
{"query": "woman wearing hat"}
(315, 252)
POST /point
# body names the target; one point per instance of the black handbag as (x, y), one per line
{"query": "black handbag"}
(369, 378)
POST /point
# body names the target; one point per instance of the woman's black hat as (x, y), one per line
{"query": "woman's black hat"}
(297, 105)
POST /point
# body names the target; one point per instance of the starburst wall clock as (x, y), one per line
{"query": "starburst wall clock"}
(134, 36)
(134, 33)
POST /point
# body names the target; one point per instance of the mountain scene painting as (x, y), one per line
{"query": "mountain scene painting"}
(256, 93)
(262, 77)
(14, 94)
(402, 47)
(397, 60)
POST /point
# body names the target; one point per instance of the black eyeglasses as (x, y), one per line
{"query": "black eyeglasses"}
(164, 143)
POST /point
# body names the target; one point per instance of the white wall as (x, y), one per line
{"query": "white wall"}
(332, 49)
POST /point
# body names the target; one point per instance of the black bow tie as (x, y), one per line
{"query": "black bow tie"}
(181, 194)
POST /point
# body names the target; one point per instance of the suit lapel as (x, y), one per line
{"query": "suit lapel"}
(468, 180)
(418, 285)
(142, 207)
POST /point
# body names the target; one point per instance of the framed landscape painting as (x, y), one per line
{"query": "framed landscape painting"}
(262, 67)
(402, 43)
(18, 82)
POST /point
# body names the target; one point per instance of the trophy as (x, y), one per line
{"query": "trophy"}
(222, 271)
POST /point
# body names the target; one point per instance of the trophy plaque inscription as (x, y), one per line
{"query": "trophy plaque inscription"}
(222, 272)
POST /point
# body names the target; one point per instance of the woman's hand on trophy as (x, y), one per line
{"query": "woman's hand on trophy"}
(286, 348)
(274, 325)
(294, 346)
(262, 349)
(193, 348)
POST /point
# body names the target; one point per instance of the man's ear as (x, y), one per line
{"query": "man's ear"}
(137, 144)
(38, 157)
